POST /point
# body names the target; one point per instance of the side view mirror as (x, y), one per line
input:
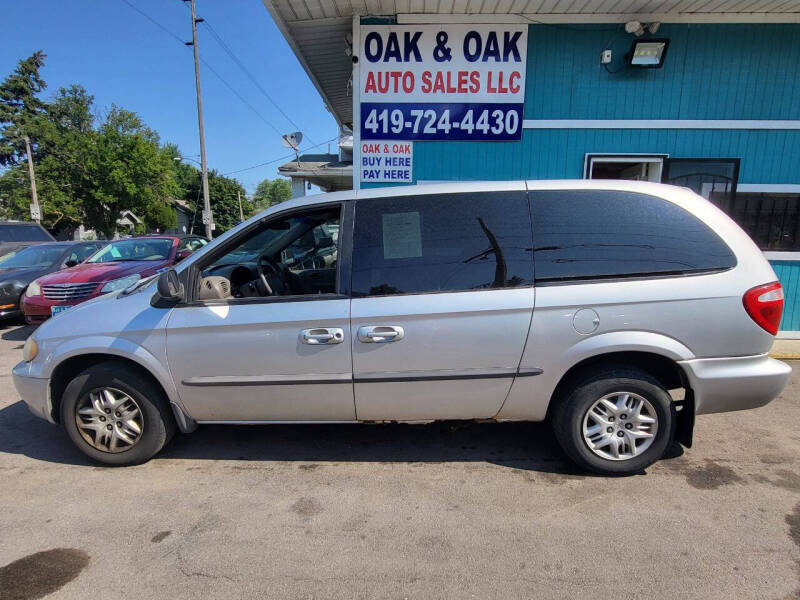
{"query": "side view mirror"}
(181, 255)
(70, 263)
(170, 288)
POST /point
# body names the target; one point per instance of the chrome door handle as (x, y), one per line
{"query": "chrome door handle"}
(322, 335)
(375, 334)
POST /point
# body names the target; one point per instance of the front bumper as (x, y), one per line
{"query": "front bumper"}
(10, 313)
(34, 391)
(727, 384)
(37, 309)
(10, 304)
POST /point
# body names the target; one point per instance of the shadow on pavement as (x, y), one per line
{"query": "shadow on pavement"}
(527, 446)
(17, 333)
(23, 433)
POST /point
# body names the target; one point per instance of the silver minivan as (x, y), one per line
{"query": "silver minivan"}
(615, 310)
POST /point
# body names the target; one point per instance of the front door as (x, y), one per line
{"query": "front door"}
(442, 302)
(266, 336)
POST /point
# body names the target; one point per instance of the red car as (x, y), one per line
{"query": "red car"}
(117, 266)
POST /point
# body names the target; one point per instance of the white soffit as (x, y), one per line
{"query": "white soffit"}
(316, 29)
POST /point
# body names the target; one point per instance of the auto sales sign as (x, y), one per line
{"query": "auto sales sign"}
(442, 82)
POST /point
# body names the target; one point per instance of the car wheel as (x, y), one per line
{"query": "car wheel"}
(116, 416)
(615, 421)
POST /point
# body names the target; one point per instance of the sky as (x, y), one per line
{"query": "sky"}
(122, 58)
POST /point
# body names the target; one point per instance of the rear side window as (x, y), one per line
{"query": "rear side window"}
(591, 234)
(442, 242)
(24, 233)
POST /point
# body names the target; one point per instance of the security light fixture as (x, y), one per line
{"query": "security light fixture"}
(635, 28)
(648, 54)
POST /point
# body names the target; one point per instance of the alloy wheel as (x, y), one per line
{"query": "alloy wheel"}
(109, 420)
(620, 426)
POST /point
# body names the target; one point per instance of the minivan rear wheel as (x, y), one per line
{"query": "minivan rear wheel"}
(116, 416)
(615, 421)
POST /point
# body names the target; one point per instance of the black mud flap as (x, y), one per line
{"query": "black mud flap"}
(684, 428)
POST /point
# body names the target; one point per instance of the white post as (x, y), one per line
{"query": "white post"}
(357, 102)
(36, 212)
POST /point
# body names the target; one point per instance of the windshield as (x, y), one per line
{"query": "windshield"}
(35, 256)
(136, 249)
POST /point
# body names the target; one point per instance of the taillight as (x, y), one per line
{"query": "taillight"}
(764, 304)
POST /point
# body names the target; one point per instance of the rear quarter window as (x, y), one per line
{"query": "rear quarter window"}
(599, 234)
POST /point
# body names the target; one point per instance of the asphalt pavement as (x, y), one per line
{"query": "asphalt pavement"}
(445, 510)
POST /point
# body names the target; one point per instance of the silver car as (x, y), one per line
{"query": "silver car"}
(615, 310)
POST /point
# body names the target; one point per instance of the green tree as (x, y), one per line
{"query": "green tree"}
(271, 191)
(88, 170)
(64, 132)
(224, 194)
(125, 169)
(161, 216)
(20, 106)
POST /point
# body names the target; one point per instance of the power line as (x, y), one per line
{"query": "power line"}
(287, 157)
(154, 22)
(233, 90)
(239, 96)
(205, 64)
(250, 76)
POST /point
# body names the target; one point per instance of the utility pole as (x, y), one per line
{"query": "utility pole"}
(36, 213)
(207, 218)
(239, 198)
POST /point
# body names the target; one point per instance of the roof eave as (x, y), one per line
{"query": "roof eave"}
(283, 27)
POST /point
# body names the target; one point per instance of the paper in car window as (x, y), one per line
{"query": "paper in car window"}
(402, 235)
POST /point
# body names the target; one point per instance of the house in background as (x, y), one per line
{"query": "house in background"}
(126, 226)
(185, 216)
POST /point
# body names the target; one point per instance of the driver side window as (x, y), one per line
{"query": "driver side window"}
(291, 256)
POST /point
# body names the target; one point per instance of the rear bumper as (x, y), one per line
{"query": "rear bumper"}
(34, 391)
(726, 384)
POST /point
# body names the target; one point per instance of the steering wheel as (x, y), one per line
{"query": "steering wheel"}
(272, 275)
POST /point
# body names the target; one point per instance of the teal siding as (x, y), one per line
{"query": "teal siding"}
(766, 155)
(741, 71)
(710, 72)
(789, 275)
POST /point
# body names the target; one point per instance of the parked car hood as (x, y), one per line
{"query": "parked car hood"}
(104, 271)
(23, 274)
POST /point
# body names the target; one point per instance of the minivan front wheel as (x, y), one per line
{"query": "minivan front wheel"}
(615, 421)
(116, 416)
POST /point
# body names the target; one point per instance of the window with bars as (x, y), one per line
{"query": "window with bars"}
(772, 220)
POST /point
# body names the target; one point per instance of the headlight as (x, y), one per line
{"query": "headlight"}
(121, 283)
(33, 289)
(30, 349)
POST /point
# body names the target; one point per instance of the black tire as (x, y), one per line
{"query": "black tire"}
(575, 402)
(158, 422)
